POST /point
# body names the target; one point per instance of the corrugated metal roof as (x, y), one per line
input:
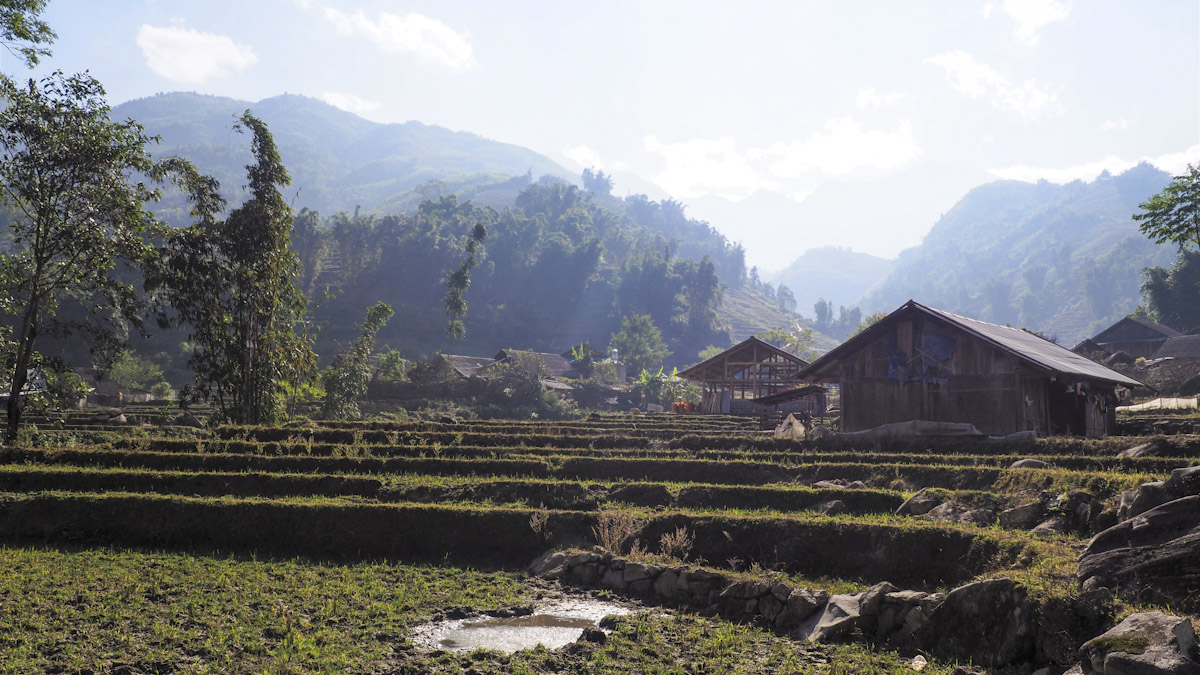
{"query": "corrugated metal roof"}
(1022, 344)
(467, 365)
(1034, 348)
(1181, 347)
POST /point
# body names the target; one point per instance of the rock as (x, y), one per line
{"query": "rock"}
(831, 508)
(1183, 482)
(1023, 517)
(448, 419)
(957, 512)
(1152, 449)
(856, 485)
(988, 622)
(769, 607)
(666, 584)
(1152, 557)
(801, 604)
(547, 562)
(613, 578)
(781, 591)
(839, 616)
(919, 504)
(634, 572)
(595, 635)
(188, 420)
(1148, 496)
(1148, 642)
(118, 419)
(1029, 463)
(835, 484)
(1054, 525)
(918, 663)
(873, 597)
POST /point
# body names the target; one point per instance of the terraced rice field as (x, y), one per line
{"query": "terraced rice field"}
(317, 547)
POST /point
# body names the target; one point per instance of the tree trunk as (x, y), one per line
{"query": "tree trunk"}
(20, 376)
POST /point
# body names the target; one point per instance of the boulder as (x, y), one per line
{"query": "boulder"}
(957, 512)
(1029, 463)
(1054, 525)
(1148, 496)
(1148, 642)
(1154, 448)
(831, 508)
(1023, 517)
(919, 504)
(801, 604)
(1152, 557)
(988, 622)
(550, 562)
(839, 616)
(1183, 482)
(665, 586)
(188, 420)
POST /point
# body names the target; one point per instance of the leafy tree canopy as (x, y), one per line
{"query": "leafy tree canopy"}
(639, 344)
(1173, 215)
(64, 169)
(22, 32)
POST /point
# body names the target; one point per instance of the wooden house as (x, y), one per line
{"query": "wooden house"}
(1135, 337)
(746, 371)
(920, 363)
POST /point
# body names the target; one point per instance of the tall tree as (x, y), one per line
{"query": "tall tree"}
(66, 169)
(1173, 215)
(346, 380)
(232, 282)
(458, 281)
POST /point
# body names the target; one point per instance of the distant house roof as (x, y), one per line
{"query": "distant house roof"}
(555, 365)
(1134, 329)
(1033, 349)
(1088, 346)
(586, 349)
(467, 365)
(1180, 347)
(704, 371)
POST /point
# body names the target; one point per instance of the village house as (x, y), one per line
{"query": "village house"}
(750, 370)
(1137, 338)
(920, 363)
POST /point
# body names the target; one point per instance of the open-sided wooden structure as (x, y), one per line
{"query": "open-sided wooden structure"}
(746, 371)
(919, 363)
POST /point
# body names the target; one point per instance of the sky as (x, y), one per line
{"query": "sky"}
(698, 98)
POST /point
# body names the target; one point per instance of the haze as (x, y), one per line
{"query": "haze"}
(788, 125)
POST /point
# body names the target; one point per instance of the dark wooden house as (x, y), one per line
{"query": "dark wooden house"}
(746, 371)
(920, 363)
(1135, 337)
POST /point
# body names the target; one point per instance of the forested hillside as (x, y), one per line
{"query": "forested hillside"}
(337, 160)
(557, 269)
(1065, 260)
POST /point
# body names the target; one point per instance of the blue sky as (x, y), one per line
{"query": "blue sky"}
(698, 98)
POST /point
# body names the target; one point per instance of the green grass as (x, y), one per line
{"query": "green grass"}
(105, 610)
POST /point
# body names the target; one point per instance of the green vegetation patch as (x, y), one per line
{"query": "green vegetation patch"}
(122, 611)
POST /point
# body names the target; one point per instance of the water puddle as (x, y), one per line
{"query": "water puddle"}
(552, 625)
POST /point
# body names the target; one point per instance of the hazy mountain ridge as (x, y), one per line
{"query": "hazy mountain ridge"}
(1061, 259)
(836, 274)
(338, 160)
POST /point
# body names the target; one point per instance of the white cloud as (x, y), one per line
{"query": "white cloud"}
(872, 98)
(1031, 99)
(1174, 163)
(429, 39)
(583, 156)
(841, 147)
(1032, 15)
(719, 166)
(189, 56)
(350, 102)
(1119, 124)
(702, 166)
